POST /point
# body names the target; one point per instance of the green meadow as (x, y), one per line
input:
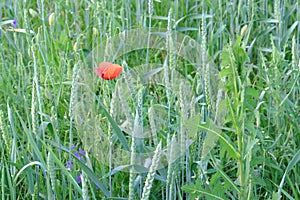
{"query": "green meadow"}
(207, 105)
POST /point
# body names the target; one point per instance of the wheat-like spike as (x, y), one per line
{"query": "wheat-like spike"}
(166, 65)
(169, 146)
(5, 136)
(140, 102)
(74, 87)
(33, 109)
(151, 173)
(170, 44)
(275, 59)
(35, 99)
(207, 86)
(192, 109)
(73, 97)
(167, 84)
(50, 166)
(150, 7)
(84, 188)
(294, 53)
(173, 148)
(35, 80)
(219, 114)
(184, 115)
(26, 24)
(183, 129)
(294, 58)
(132, 158)
(277, 14)
(150, 12)
(277, 9)
(168, 90)
(131, 183)
(171, 188)
(205, 64)
(183, 99)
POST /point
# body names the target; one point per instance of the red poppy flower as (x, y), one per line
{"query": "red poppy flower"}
(108, 71)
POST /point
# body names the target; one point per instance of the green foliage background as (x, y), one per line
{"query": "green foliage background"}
(242, 114)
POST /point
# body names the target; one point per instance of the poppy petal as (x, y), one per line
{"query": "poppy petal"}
(102, 67)
(108, 71)
(112, 72)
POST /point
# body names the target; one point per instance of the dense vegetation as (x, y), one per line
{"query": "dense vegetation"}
(207, 106)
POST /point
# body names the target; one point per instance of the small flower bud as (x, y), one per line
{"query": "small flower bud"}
(244, 29)
(95, 31)
(51, 19)
(75, 47)
(33, 13)
(14, 23)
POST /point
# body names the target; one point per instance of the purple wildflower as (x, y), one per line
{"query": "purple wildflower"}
(69, 164)
(77, 155)
(79, 179)
(81, 151)
(72, 147)
(14, 23)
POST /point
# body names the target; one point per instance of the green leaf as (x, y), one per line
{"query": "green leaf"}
(224, 72)
(211, 128)
(288, 33)
(276, 196)
(209, 143)
(291, 164)
(32, 141)
(252, 92)
(64, 170)
(225, 57)
(114, 125)
(83, 166)
(196, 190)
(224, 175)
(92, 176)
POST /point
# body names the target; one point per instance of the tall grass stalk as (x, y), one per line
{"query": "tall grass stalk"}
(133, 157)
(150, 13)
(150, 176)
(168, 93)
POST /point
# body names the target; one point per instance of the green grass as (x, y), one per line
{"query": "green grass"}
(214, 105)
